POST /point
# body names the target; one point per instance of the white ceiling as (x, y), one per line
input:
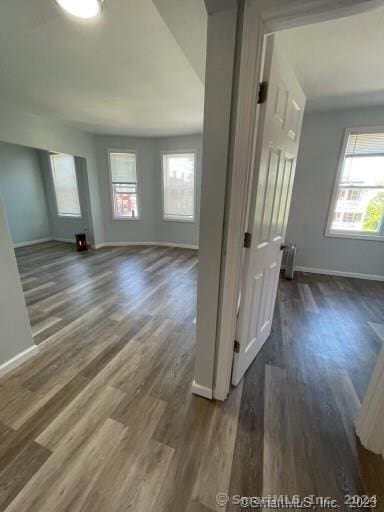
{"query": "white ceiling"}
(339, 63)
(132, 71)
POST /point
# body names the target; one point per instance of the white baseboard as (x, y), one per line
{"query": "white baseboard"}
(106, 244)
(203, 391)
(32, 242)
(182, 246)
(339, 273)
(11, 364)
(160, 244)
(68, 240)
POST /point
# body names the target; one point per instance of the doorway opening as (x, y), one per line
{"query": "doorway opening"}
(316, 357)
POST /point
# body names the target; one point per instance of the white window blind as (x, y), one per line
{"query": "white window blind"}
(124, 185)
(365, 144)
(358, 208)
(65, 184)
(179, 186)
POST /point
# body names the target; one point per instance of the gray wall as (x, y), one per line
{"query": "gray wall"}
(319, 151)
(26, 129)
(150, 227)
(65, 227)
(173, 231)
(23, 192)
(15, 331)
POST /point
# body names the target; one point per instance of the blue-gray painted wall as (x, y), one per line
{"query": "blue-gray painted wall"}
(23, 192)
(25, 173)
(319, 151)
(151, 227)
(23, 128)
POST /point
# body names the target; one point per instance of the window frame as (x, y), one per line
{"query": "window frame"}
(138, 195)
(357, 235)
(179, 152)
(63, 215)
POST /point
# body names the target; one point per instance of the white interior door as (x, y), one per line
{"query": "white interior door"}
(278, 140)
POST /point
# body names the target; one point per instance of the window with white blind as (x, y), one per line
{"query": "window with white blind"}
(124, 184)
(179, 176)
(65, 184)
(357, 207)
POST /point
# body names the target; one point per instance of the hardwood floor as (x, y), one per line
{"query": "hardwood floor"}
(103, 420)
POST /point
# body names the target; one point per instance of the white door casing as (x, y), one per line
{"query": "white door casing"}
(279, 135)
(369, 424)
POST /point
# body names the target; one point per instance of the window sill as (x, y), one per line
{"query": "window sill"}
(355, 236)
(189, 221)
(126, 218)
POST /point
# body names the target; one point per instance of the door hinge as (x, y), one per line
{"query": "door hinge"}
(247, 240)
(236, 347)
(263, 92)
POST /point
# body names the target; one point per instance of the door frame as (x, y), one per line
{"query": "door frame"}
(257, 18)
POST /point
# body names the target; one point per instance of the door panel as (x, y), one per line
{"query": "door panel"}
(295, 120)
(278, 138)
(288, 175)
(281, 103)
(272, 172)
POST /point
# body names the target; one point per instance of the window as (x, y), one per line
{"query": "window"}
(354, 195)
(65, 184)
(351, 217)
(357, 209)
(124, 185)
(348, 217)
(179, 186)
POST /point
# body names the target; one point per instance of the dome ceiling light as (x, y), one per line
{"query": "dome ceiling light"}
(84, 9)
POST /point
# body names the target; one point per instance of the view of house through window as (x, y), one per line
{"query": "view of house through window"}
(65, 184)
(179, 186)
(359, 204)
(124, 185)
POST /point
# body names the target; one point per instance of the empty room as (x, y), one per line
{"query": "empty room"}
(191, 255)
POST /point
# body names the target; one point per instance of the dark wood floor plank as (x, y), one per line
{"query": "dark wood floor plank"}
(41, 419)
(64, 481)
(140, 419)
(15, 476)
(183, 472)
(81, 416)
(94, 367)
(215, 469)
(278, 468)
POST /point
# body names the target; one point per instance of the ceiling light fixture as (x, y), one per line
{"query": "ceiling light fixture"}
(82, 8)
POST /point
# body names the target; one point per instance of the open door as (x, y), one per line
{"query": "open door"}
(281, 118)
